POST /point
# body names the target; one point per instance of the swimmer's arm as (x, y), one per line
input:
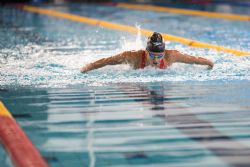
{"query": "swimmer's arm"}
(113, 60)
(184, 58)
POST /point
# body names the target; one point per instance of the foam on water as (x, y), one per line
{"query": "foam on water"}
(57, 63)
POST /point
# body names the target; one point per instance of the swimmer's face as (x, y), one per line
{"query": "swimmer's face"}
(155, 58)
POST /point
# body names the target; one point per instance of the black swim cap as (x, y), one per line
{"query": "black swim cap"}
(155, 43)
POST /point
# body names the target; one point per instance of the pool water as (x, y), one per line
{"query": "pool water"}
(155, 124)
(115, 116)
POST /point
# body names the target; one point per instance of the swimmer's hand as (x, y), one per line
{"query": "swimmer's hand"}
(85, 68)
(210, 65)
(204, 61)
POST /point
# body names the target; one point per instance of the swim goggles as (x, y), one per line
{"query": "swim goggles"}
(156, 55)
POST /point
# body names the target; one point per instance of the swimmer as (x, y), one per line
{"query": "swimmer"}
(154, 55)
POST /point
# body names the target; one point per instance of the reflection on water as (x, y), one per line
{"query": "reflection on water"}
(4, 159)
(158, 124)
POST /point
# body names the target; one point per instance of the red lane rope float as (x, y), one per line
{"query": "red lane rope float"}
(21, 150)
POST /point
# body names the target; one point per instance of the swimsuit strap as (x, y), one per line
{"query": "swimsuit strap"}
(162, 65)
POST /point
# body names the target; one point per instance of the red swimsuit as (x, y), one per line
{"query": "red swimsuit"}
(143, 61)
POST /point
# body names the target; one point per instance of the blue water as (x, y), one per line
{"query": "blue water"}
(233, 34)
(222, 6)
(183, 116)
(4, 159)
(37, 50)
(156, 124)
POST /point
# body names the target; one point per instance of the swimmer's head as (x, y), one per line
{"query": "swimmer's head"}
(155, 49)
(155, 43)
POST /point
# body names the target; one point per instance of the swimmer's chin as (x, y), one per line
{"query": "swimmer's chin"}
(155, 65)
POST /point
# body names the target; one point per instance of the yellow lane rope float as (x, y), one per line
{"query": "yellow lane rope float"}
(185, 11)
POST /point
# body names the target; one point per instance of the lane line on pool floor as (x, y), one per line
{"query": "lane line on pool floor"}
(130, 29)
(206, 134)
(217, 15)
(21, 150)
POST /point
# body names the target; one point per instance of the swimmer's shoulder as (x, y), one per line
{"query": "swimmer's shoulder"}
(133, 57)
(134, 53)
(170, 54)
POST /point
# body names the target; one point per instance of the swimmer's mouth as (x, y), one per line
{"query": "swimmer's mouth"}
(155, 63)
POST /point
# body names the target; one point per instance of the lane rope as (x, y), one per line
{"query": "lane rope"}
(184, 11)
(3, 111)
(130, 29)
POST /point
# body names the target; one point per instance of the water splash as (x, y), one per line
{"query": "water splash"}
(45, 67)
(133, 44)
(57, 64)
